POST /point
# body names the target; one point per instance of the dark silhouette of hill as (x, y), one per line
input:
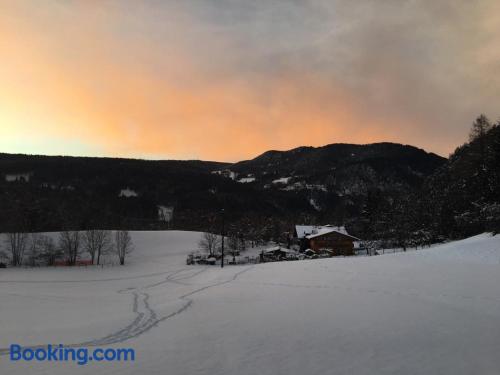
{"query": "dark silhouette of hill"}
(323, 184)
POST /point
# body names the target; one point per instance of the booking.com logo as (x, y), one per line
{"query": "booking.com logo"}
(60, 353)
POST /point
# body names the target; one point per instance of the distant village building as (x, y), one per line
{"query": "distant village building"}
(165, 214)
(279, 253)
(226, 173)
(128, 193)
(327, 238)
(18, 177)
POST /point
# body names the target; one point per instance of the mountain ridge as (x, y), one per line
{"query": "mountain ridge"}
(294, 149)
(328, 183)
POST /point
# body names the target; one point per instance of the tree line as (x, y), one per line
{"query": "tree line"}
(32, 249)
(461, 199)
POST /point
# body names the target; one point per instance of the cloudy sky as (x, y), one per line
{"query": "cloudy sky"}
(226, 80)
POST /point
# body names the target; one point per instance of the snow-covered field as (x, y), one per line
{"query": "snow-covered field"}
(433, 311)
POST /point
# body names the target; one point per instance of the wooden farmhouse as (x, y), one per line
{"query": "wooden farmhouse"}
(320, 239)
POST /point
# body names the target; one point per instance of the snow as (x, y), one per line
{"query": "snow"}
(304, 231)
(245, 180)
(316, 187)
(281, 180)
(301, 185)
(18, 177)
(475, 250)
(127, 193)
(325, 230)
(432, 311)
(321, 231)
(314, 204)
(226, 173)
(278, 248)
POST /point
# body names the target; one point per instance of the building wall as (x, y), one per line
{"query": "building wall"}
(336, 242)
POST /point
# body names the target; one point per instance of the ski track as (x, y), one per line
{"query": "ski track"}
(146, 317)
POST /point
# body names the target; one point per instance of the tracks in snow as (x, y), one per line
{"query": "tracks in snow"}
(146, 317)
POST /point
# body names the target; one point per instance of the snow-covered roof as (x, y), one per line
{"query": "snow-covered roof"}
(327, 231)
(311, 231)
(305, 230)
(320, 232)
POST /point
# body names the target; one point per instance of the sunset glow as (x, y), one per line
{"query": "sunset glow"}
(221, 81)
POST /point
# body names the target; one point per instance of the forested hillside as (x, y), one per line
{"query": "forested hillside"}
(461, 198)
(268, 194)
(395, 195)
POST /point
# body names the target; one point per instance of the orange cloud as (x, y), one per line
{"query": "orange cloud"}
(125, 110)
(102, 78)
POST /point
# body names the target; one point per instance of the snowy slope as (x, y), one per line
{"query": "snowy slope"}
(431, 311)
(481, 249)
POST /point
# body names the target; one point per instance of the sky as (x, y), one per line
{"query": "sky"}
(227, 80)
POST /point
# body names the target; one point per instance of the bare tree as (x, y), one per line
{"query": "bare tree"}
(35, 245)
(233, 245)
(209, 243)
(4, 257)
(49, 251)
(69, 243)
(371, 246)
(16, 244)
(96, 242)
(123, 244)
(242, 241)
